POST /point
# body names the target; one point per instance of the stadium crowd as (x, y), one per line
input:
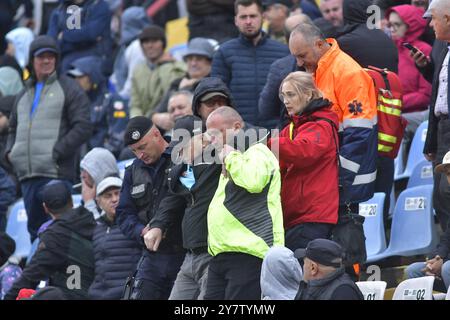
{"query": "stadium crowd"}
(248, 146)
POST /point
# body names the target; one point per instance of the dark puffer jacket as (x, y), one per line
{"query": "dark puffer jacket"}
(243, 67)
(116, 257)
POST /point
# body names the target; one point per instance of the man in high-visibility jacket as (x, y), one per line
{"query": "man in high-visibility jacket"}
(245, 217)
(343, 81)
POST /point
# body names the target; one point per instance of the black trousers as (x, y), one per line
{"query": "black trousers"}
(441, 191)
(300, 235)
(234, 276)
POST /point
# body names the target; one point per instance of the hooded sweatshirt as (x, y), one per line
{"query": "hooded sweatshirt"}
(368, 47)
(100, 163)
(21, 38)
(281, 274)
(207, 85)
(416, 90)
(10, 82)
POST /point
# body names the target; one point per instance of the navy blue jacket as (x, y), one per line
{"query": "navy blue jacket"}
(127, 214)
(94, 36)
(244, 68)
(116, 258)
(271, 109)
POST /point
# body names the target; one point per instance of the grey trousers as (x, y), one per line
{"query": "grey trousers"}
(190, 283)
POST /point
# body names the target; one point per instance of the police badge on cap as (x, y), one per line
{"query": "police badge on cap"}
(136, 129)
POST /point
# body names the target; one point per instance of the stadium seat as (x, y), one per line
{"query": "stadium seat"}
(415, 152)
(422, 174)
(76, 199)
(415, 289)
(372, 210)
(398, 163)
(122, 165)
(413, 229)
(372, 290)
(33, 249)
(16, 228)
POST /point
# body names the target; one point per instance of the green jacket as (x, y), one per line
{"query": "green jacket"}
(149, 86)
(245, 214)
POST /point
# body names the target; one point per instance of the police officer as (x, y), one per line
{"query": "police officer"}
(144, 186)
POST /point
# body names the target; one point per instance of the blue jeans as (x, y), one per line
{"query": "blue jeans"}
(32, 199)
(415, 271)
(156, 275)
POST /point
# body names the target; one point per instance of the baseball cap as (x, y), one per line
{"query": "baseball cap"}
(46, 49)
(192, 124)
(445, 163)
(211, 95)
(427, 13)
(137, 128)
(200, 47)
(153, 32)
(56, 195)
(108, 183)
(322, 251)
(75, 72)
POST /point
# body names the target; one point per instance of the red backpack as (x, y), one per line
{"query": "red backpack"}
(391, 125)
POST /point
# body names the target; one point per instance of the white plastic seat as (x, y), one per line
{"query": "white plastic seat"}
(415, 289)
(372, 290)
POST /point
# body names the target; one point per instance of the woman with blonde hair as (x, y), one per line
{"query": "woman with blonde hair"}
(308, 149)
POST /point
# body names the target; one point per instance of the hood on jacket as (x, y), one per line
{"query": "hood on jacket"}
(318, 108)
(100, 163)
(21, 38)
(79, 220)
(39, 43)
(412, 16)
(355, 11)
(10, 82)
(92, 67)
(281, 274)
(134, 19)
(207, 85)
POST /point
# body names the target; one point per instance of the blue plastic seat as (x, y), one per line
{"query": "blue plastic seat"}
(415, 152)
(122, 165)
(374, 225)
(413, 229)
(33, 249)
(16, 228)
(399, 167)
(76, 199)
(421, 175)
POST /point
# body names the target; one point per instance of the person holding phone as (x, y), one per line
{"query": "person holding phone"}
(407, 25)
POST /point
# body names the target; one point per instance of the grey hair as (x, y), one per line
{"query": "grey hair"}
(441, 6)
(186, 93)
(310, 32)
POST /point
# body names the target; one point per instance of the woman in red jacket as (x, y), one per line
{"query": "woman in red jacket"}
(308, 162)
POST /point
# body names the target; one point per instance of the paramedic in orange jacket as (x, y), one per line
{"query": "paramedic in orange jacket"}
(343, 81)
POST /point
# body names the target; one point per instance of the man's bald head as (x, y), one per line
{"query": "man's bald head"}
(223, 124)
(227, 115)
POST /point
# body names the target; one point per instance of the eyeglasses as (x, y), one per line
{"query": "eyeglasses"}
(287, 96)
